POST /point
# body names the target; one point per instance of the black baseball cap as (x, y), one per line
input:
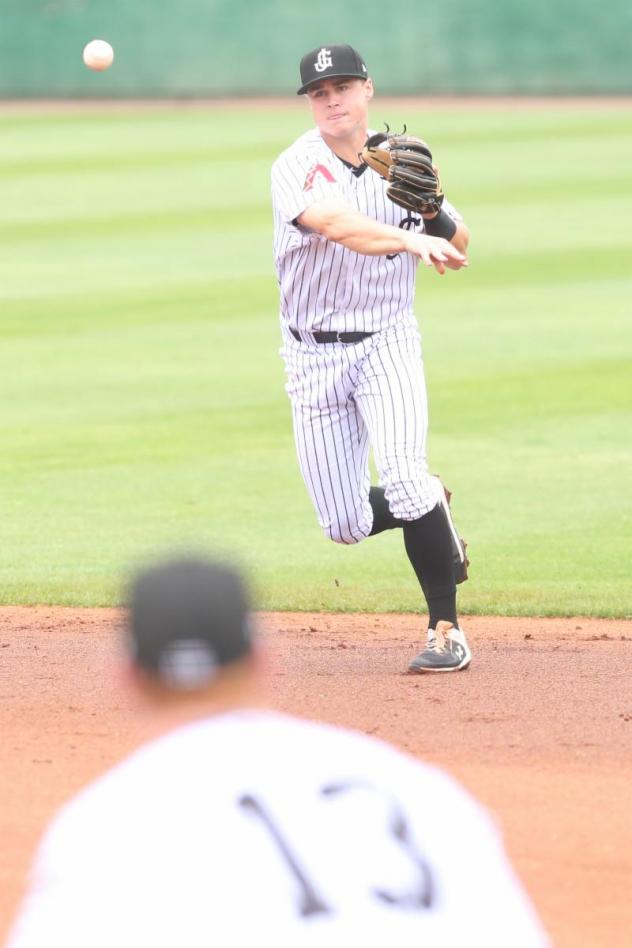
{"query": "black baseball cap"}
(188, 617)
(327, 62)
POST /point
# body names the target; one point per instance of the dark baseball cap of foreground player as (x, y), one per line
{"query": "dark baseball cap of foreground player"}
(188, 621)
(331, 62)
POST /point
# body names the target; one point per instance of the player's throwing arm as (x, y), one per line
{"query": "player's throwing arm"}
(358, 232)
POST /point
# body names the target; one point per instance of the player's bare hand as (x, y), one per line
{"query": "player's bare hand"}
(435, 252)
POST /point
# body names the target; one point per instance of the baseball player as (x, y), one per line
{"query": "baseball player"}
(242, 826)
(346, 257)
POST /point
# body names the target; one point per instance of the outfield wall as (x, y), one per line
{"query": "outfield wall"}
(218, 47)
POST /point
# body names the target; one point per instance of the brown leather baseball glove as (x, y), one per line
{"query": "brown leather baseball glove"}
(405, 162)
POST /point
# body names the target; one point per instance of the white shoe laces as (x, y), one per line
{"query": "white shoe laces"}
(446, 640)
(433, 644)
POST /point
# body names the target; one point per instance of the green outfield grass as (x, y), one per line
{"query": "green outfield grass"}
(142, 393)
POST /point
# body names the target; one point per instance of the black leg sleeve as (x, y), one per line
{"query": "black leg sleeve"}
(429, 547)
(383, 519)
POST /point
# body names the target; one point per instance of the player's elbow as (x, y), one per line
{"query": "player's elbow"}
(327, 218)
(339, 232)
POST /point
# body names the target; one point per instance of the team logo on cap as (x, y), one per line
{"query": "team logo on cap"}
(323, 60)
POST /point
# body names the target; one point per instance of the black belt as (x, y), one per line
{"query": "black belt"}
(345, 337)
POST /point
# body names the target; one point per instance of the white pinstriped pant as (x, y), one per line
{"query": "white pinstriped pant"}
(347, 399)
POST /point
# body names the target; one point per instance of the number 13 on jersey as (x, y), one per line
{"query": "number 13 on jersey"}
(310, 898)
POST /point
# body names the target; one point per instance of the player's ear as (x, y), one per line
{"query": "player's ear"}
(368, 89)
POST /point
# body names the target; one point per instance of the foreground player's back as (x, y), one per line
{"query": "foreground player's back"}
(256, 826)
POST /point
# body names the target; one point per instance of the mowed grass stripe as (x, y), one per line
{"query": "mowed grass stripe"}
(203, 300)
(98, 225)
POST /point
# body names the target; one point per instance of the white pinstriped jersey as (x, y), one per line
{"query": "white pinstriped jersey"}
(348, 399)
(323, 285)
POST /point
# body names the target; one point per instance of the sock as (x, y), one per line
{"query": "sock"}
(383, 519)
(429, 548)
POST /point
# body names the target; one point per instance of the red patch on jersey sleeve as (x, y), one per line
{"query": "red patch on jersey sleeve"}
(311, 174)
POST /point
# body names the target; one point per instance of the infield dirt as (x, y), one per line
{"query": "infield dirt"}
(539, 729)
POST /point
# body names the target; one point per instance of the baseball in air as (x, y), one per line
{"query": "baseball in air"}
(98, 55)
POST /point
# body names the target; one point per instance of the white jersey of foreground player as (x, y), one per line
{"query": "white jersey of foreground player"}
(257, 828)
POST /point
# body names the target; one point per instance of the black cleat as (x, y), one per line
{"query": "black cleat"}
(447, 650)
